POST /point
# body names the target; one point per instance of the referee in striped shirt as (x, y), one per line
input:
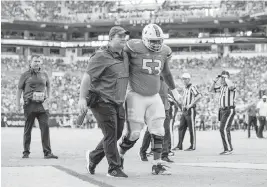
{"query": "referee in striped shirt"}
(227, 108)
(190, 97)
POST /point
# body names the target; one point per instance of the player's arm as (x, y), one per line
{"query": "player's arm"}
(166, 72)
(168, 78)
(173, 101)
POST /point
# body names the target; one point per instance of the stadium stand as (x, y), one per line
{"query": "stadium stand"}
(203, 63)
(86, 11)
(64, 88)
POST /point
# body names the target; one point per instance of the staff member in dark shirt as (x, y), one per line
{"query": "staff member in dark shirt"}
(227, 108)
(104, 84)
(35, 86)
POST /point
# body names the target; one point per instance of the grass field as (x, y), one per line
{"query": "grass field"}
(247, 166)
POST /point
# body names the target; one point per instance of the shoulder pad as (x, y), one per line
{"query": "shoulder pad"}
(167, 51)
(134, 45)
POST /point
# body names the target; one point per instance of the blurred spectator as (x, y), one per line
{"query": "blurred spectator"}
(65, 86)
(87, 11)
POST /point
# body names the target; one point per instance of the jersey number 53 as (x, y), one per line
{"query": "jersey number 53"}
(152, 66)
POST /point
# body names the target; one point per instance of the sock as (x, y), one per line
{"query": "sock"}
(157, 155)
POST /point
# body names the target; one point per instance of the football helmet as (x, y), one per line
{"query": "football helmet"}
(152, 37)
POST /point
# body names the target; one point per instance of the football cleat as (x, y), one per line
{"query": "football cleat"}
(50, 156)
(143, 157)
(149, 154)
(231, 151)
(160, 169)
(117, 173)
(167, 159)
(25, 155)
(171, 153)
(190, 149)
(225, 153)
(90, 166)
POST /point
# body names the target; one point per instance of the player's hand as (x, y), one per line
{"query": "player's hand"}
(82, 105)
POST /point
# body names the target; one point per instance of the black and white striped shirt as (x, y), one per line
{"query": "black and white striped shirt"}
(227, 96)
(190, 93)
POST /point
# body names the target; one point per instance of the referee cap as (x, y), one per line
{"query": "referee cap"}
(264, 97)
(117, 30)
(186, 76)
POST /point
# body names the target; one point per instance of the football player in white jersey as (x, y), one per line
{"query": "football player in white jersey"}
(148, 60)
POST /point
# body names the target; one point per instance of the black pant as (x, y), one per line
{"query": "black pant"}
(262, 121)
(110, 118)
(171, 130)
(146, 142)
(34, 110)
(167, 135)
(187, 120)
(252, 121)
(166, 140)
(226, 120)
(202, 125)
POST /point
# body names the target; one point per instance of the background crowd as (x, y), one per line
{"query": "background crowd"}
(249, 75)
(90, 11)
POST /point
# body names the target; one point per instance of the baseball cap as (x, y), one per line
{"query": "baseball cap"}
(225, 74)
(264, 97)
(117, 30)
(186, 76)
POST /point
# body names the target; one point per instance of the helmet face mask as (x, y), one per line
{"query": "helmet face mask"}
(152, 37)
(155, 45)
